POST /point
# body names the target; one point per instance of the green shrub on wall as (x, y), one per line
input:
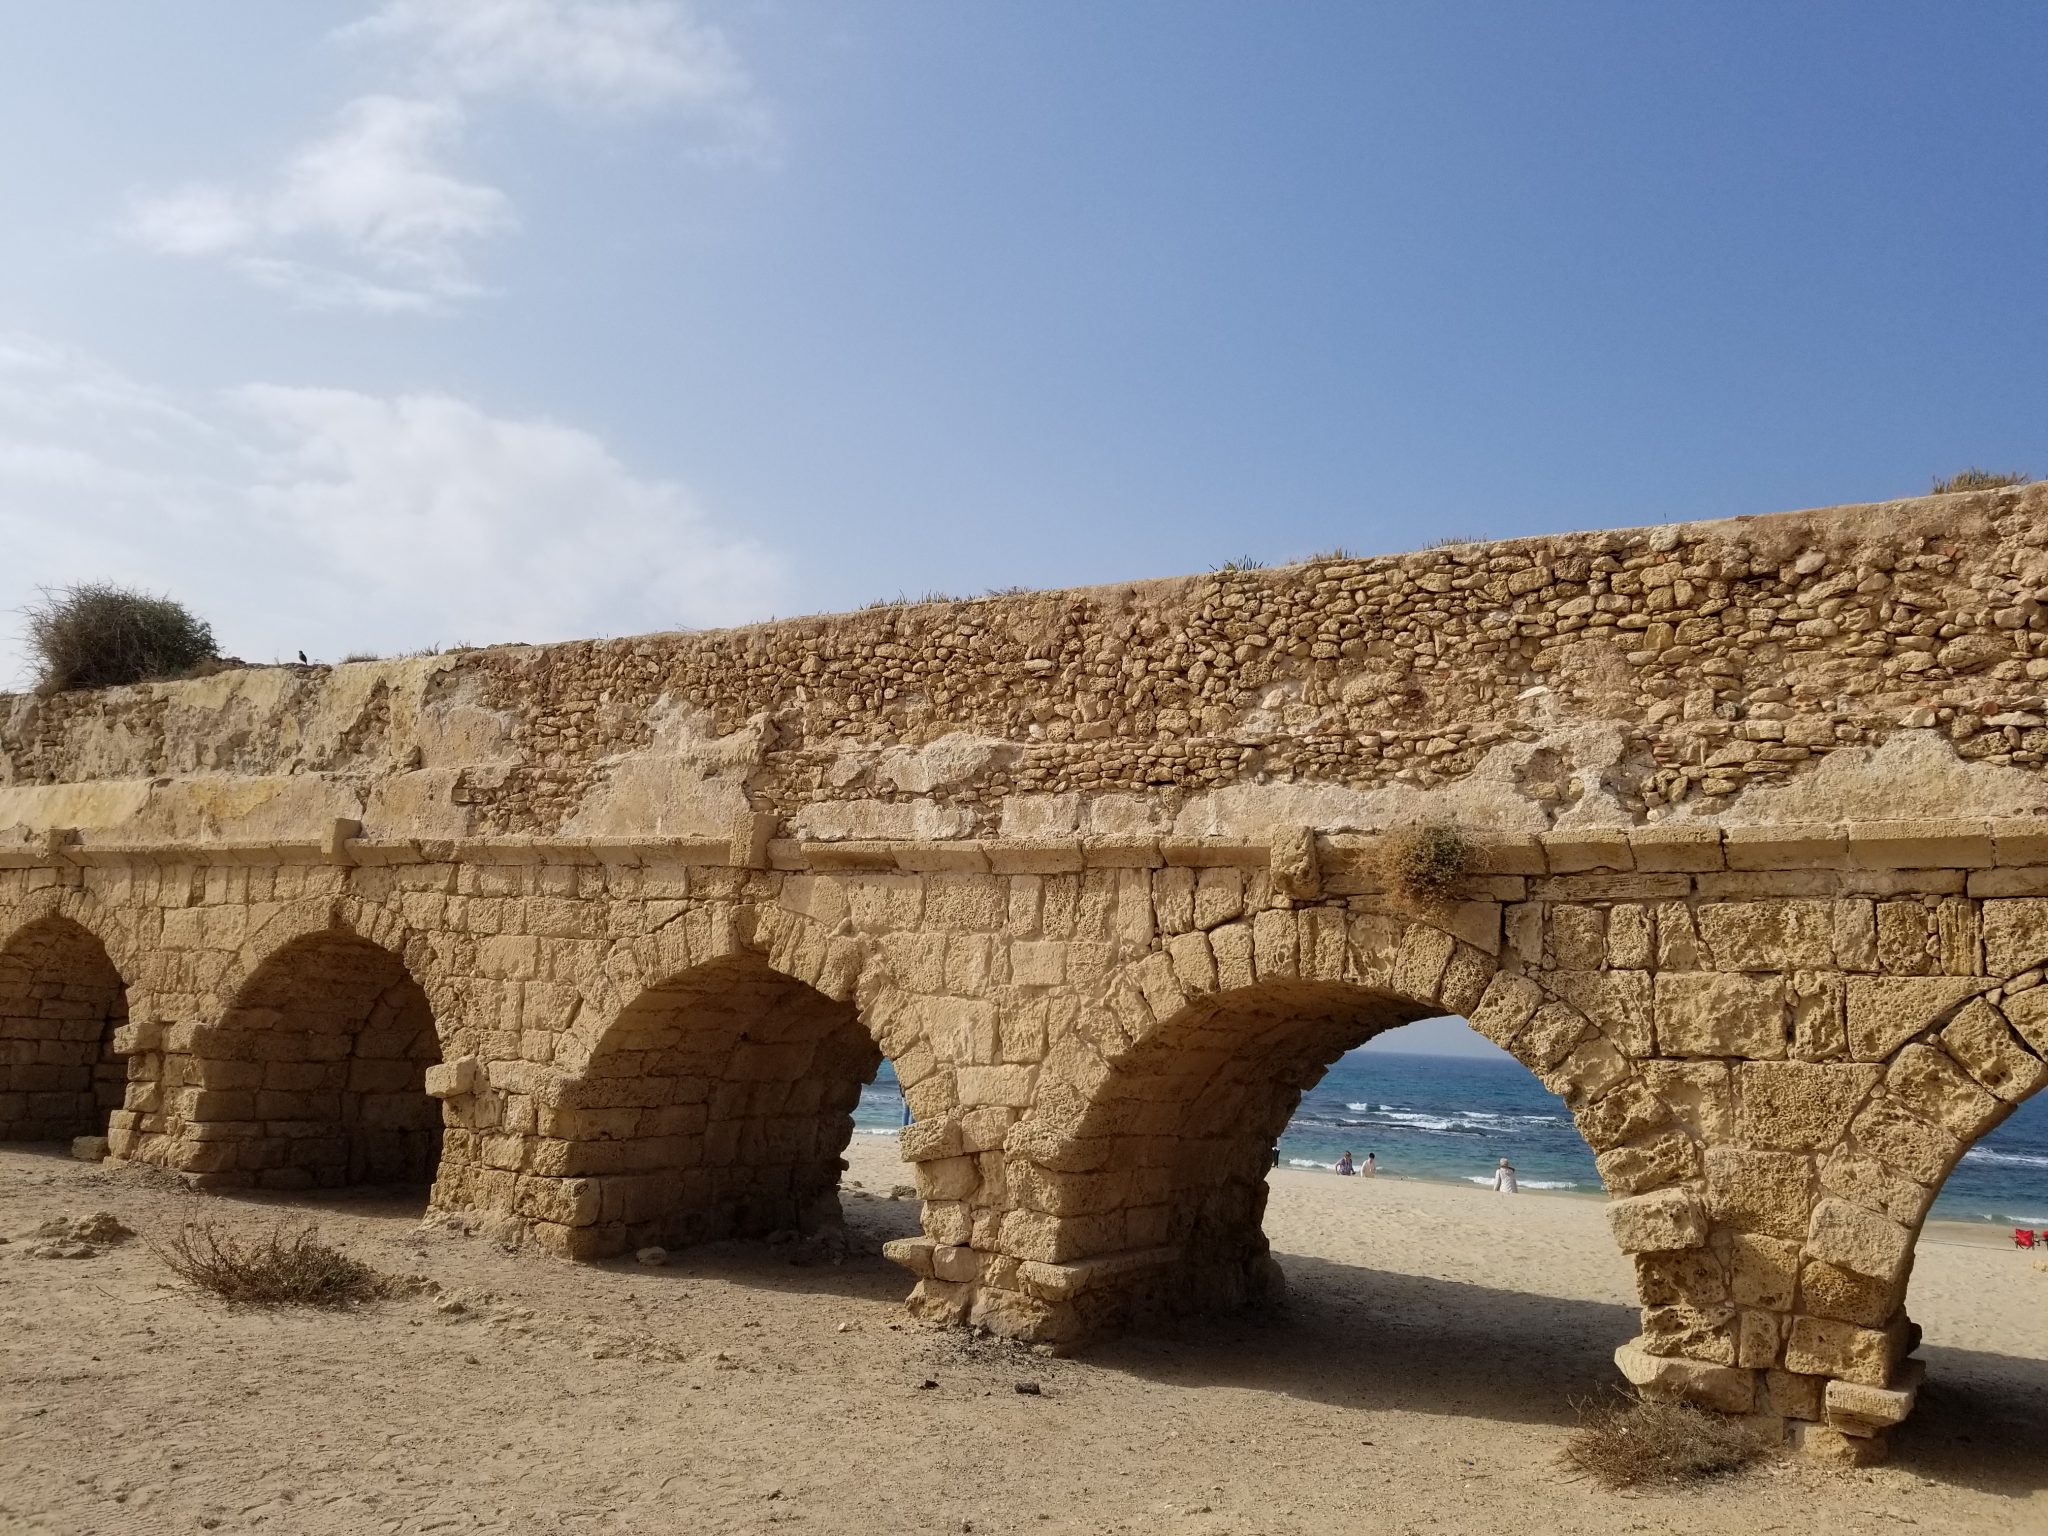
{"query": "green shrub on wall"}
(97, 635)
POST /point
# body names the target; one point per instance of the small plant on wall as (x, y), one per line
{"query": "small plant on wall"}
(1428, 864)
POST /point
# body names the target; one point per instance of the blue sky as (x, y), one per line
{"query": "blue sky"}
(377, 325)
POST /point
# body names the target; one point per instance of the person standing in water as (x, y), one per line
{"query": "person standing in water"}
(1372, 1164)
(1504, 1178)
(1344, 1165)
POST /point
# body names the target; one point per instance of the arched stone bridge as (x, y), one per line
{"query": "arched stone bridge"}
(605, 938)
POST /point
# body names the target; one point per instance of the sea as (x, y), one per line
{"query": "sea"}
(1451, 1118)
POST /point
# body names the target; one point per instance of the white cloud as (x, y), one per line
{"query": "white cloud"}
(369, 216)
(334, 521)
(586, 55)
(370, 191)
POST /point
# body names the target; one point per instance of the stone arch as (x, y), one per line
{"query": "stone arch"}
(1940, 1063)
(64, 1007)
(707, 1089)
(314, 1075)
(1138, 1175)
(373, 923)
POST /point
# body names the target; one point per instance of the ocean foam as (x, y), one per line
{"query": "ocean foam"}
(1487, 1178)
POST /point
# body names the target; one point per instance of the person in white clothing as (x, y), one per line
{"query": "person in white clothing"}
(1504, 1178)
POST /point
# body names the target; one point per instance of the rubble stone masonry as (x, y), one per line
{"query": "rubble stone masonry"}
(604, 937)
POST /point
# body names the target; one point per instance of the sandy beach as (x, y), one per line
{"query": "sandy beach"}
(1421, 1379)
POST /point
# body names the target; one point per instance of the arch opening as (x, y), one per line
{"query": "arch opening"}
(61, 1002)
(718, 1105)
(316, 1076)
(1178, 1142)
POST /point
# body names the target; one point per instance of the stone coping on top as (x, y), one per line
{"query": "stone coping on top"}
(1686, 848)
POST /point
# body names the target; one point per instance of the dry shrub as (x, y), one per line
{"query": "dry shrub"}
(101, 636)
(286, 1267)
(1978, 480)
(1628, 1442)
(1428, 864)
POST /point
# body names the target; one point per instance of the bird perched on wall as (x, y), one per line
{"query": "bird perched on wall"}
(302, 658)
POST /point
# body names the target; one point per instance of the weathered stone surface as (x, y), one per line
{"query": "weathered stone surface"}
(1708, 1385)
(1980, 1040)
(1766, 1192)
(1796, 1106)
(1843, 1351)
(1657, 1223)
(1857, 1240)
(1884, 1012)
(1711, 1014)
(1932, 1086)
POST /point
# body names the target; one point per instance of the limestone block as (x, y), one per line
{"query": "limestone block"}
(1792, 1396)
(1819, 1027)
(1231, 948)
(1505, 1008)
(913, 1253)
(1767, 1192)
(1678, 946)
(1690, 1277)
(1691, 1333)
(1930, 844)
(1830, 1291)
(1578, 937)
(1011, 1085)
(1590, 1070)
(948, 1178)
(1857, 1409)
(1550, 1036)
(1709, 1014)
(1652, 1165)
(1465, 980)
(1676, 849)
(958, 1264)
(1795, 1106)
(1324, 944)
(1419, 967)
(2015, 935)
(1194, 965)
(1662, 1222)
(1768, 935)
(1631, 938)
(136, 1037)
(1884, 1012)
(1858, 1240)
(1823, 1347)
(2027, 1012)
(1854, 940)
(1762, 1271)
(1273, 938)
(89, 1149)
(1875, 1186)
(926, 1141)
(454, 1079)
(1830, 1447)
(1160, 985)
(1721, 1387)
(1758, 1337)
(1933, 1087)
(1623, 1114)
(1295, 869)
(1617, 1002)
(1905, 945)
(1701, 1094)
(1887, 1132)
(1979, 1038)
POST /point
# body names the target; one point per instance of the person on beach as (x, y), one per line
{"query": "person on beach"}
(1344, 1165)
(1372, 1164)
(1504, 1178)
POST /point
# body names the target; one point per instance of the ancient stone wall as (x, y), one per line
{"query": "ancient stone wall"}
(605, 939)
(1710, 670)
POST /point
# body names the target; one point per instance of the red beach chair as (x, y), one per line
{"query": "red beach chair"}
(2022, 1238)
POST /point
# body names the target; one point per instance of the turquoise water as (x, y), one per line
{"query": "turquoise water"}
(1451, 1118)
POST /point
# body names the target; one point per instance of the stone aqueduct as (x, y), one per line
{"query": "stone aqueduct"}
(605, 937)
